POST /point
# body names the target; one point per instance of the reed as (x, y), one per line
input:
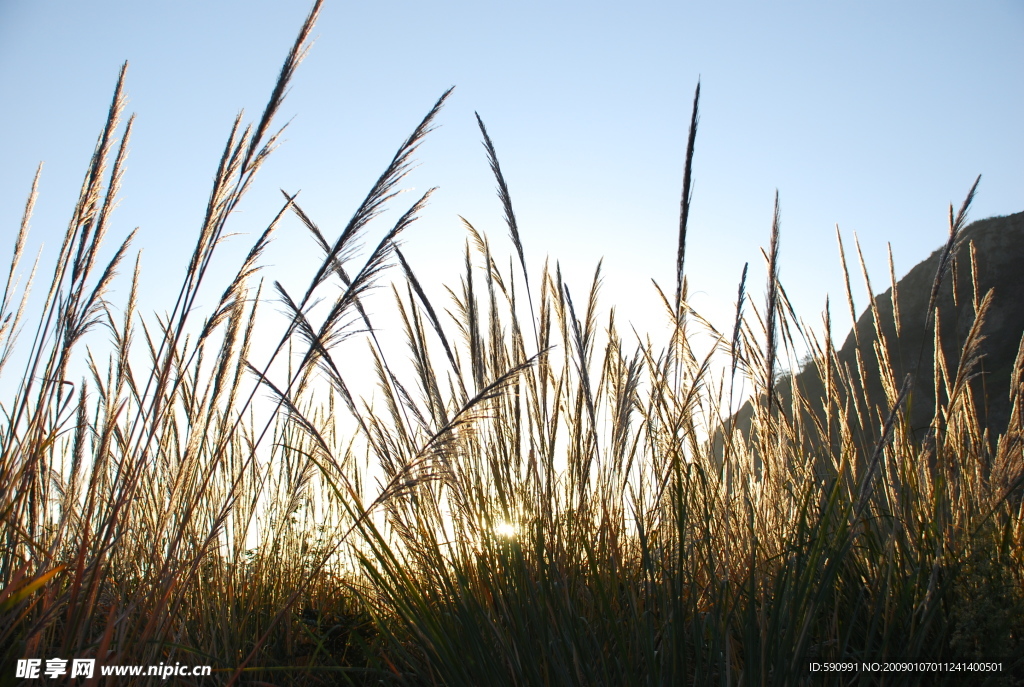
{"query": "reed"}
(579, 508)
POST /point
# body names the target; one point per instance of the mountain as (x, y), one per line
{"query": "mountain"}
(997, 246)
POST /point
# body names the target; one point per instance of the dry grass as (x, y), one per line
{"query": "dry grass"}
(550, 505)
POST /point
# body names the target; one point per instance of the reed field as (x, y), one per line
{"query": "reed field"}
(536, 494)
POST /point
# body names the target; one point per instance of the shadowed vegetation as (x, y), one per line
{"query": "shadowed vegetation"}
(533, 497)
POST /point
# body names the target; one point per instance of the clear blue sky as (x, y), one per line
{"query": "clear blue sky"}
(872, 115)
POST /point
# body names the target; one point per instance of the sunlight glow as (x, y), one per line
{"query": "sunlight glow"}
(505, 529)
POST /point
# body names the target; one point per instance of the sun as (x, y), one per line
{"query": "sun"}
(505, 529)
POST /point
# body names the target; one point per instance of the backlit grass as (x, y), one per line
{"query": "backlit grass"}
(537, 496)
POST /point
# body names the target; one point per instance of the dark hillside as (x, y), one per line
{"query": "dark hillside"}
(998, 247)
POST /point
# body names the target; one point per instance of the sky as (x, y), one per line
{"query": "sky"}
(870, 115)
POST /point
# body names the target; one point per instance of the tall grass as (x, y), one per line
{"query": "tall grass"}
(534, 497)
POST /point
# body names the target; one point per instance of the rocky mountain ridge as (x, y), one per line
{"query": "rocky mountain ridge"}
(995, 246)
